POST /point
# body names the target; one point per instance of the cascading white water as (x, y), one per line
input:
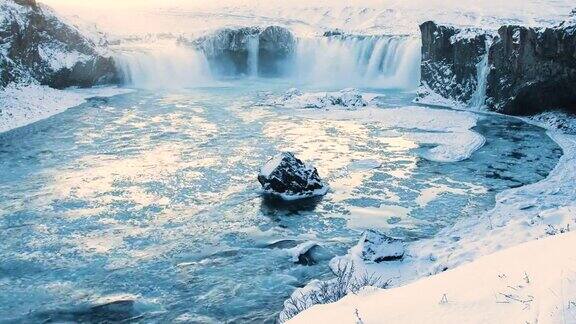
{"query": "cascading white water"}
(478, 99)
(163, 65)
(379, 61)
(253, 53)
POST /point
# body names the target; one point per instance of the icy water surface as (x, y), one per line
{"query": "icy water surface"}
(145, 207)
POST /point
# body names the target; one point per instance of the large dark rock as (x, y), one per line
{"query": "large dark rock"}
(450, 60)
(287, 177)
(228, 50)
(532, 70)
(38, 46)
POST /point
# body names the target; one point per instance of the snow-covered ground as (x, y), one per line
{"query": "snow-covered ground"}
(528, 213)
(531, 283)
(21, 105)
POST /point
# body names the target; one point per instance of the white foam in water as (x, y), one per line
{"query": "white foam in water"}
(387, 62)
(163, 65)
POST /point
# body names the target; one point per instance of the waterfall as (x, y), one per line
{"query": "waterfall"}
(253, 53)
(162, 65)
(378, 61)
(375, 61)
(478, 99)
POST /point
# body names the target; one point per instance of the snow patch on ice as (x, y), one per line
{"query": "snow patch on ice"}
(426, 96)
(448, 131)
(21, 105)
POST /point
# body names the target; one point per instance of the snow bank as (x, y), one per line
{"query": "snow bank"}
(21, 105)
(347, 98)
(520, 215)
(448, 131)
(494, 289)
(426, 96)
(556, 120)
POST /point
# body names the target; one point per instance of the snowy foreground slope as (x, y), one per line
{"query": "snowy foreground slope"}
(523, 214)
(531, 283)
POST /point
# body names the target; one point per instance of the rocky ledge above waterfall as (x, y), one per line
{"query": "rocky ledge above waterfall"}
(516, 70)
(238, 50)
(38, 46)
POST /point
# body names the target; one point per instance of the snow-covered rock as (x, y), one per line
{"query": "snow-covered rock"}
(350, 99)
(303, 253)
(289, 178)
(36, 45)
(377, 247)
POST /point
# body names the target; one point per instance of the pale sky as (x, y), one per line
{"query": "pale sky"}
(148, 16)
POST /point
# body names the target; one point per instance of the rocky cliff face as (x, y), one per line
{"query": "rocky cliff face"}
(232, 51)
(450, 59)
(532, 70)
(37, 46)
(521, 71)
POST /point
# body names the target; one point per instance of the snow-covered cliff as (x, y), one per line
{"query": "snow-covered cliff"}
(516, 70)
(37, 46)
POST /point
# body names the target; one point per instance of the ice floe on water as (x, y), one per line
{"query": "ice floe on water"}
(350, 99)
(448, 132)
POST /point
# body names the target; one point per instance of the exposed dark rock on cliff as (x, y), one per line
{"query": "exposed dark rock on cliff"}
(527, 70)
(532, 70)
(38, 46)
(229, 50)
(276, 46)
(450, 60)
